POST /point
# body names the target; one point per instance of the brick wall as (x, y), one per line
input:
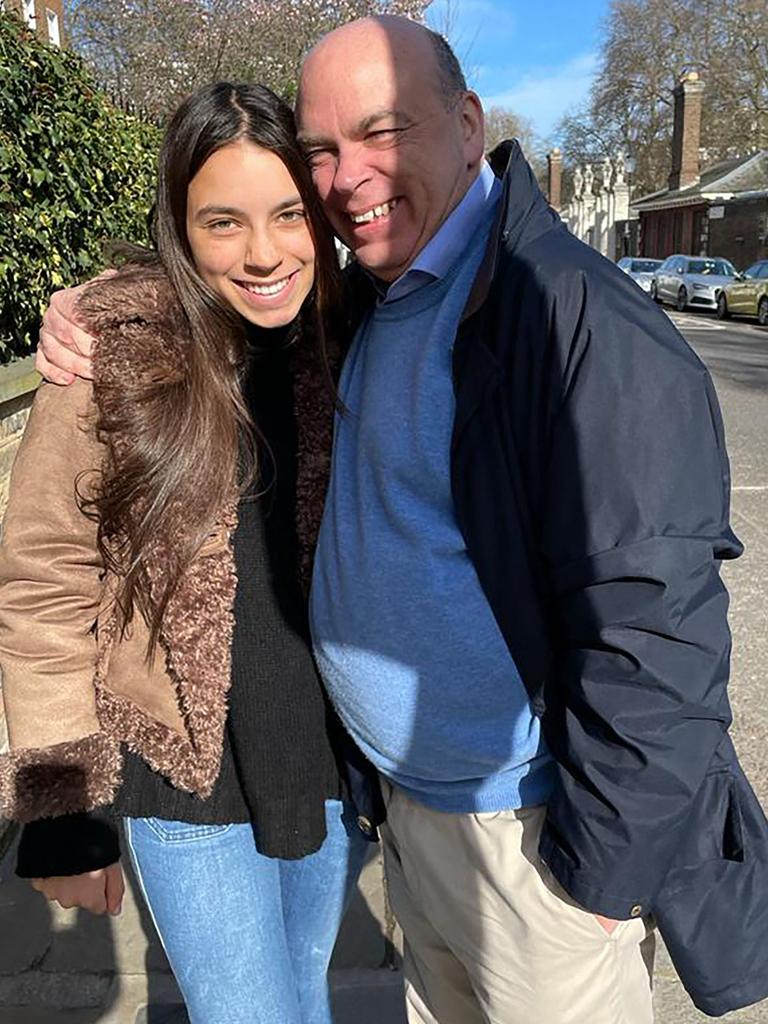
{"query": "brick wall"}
(686, 132)
(555, 178)
(741, 234)
(664, 232)
(43, 26)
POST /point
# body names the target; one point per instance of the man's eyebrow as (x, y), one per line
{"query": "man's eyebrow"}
(313, 142)
(318, 142)
(400, 119)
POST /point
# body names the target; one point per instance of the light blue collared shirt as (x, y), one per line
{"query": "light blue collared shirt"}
(441, 251)
(405, 639)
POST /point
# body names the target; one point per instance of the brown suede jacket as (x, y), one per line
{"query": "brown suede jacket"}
(73, 689)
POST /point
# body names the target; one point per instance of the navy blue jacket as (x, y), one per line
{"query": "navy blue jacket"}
(591, 484)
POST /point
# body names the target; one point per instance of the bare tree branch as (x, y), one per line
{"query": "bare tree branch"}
(152, 53)
(646, 46)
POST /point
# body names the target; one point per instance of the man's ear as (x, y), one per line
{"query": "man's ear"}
(473, 126)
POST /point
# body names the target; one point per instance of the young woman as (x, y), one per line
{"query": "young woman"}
(153, 632)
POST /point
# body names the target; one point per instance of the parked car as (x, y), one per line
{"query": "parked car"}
(691, 281)
(748, 295)
(640, 270)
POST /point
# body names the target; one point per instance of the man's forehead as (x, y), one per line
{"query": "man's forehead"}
(371, 90)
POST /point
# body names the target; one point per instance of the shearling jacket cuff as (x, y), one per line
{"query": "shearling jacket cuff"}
(50, 781)
(69, 845)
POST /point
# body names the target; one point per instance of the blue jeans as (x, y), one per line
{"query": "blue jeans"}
(248, 937)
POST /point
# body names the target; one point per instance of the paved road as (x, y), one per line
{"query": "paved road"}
(737, 356)
(735, 351)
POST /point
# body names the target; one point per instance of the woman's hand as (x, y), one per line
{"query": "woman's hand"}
(100, 891)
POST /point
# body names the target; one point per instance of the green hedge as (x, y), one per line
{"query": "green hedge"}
(75, 173)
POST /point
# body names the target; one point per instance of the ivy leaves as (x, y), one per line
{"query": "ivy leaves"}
(75, 172)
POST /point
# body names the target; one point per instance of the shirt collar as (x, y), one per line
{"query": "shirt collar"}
(441, 251)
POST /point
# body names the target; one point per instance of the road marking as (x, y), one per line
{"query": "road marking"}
(757, 527)
(694, 323)
(748, 487)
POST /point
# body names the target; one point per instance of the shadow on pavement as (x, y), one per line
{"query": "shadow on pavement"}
(51, 959)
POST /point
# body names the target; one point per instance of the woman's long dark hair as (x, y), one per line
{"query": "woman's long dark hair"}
(190, 435)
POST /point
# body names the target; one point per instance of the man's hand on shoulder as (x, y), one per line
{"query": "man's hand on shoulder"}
(64, 348)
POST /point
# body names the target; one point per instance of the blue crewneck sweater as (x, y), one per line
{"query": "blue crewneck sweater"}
(406, 642)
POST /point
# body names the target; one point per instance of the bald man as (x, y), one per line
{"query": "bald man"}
(516, 604)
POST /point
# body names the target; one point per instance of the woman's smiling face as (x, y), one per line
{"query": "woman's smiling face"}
(249, 234)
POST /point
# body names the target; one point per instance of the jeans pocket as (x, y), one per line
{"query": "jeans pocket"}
(183, 831)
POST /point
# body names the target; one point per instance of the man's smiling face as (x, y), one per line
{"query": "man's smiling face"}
(391, 153)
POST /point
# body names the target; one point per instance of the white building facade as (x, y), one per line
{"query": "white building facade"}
(600, 202)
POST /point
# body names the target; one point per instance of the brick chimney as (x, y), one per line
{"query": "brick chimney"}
(554, 178)
(687, 131)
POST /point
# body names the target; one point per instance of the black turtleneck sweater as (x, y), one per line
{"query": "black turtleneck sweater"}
(278, 765)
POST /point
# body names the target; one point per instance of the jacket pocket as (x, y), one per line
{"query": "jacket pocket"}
(714, 833)
(712, 910)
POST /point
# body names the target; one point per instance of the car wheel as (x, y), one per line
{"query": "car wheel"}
(654, 292)
(682, 300)
(762, 311)
(722, 307)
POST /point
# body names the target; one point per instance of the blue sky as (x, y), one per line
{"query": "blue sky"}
(536, 58)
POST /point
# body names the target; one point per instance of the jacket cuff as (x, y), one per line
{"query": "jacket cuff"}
(596, 901)
(50, 781)
(69, 845)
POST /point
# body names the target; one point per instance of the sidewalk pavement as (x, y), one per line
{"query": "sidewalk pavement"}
(65, 967)
(61, 967)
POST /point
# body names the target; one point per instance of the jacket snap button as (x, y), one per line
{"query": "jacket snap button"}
(364, 824)
(636, 911)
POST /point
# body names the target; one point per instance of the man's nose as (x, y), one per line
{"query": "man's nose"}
(351, 170)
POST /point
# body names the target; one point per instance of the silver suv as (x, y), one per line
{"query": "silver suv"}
(694, 281)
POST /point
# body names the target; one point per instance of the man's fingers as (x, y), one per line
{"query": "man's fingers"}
(61, 325)
(115, 889)
(49, 371)
(64, 348)
(64, 359)
(59, 317)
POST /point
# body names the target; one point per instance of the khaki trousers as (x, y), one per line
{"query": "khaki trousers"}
(490, 935)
